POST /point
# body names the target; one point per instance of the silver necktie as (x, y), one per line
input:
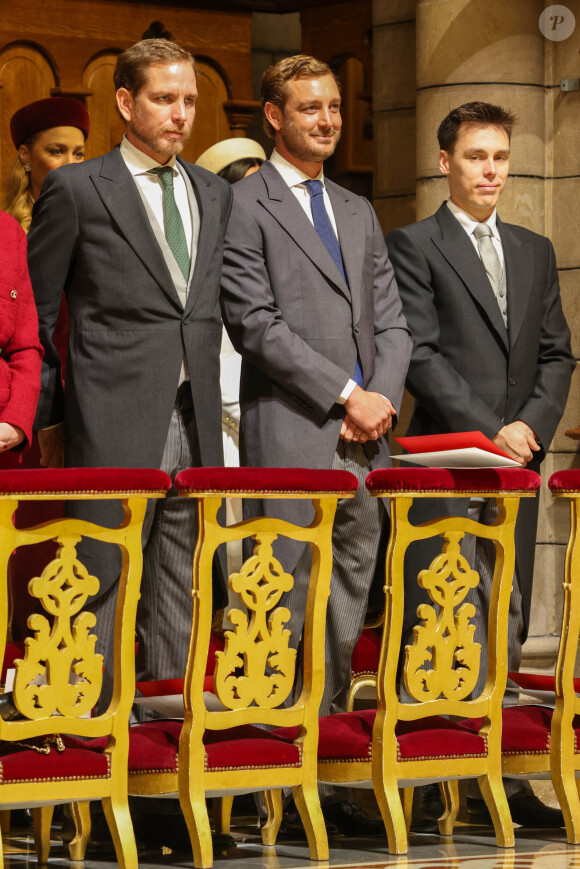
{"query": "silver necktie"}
(492, 265)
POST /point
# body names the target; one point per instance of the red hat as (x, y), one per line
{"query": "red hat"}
(44, 114)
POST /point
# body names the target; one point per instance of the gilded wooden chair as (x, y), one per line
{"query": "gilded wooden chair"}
(365, 662)
(400, 745)
(221, 753)
(538, 741)
(51, 753)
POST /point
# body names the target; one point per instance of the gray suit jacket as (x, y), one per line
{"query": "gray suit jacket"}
(468, 372)
(298, 326)
(129, 332)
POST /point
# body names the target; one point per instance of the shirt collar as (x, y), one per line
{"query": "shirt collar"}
(292, 175)
(139, 163)
(469, 223)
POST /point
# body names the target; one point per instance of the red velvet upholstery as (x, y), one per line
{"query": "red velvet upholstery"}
(525, 729)
(153, 748)
(263, 481)
(454, 480)
(348, 737)
(70, 481)
(80, 759)
(365, 656)
(538, 681)
(565, 481)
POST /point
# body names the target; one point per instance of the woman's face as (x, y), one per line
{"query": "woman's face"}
(52, 148)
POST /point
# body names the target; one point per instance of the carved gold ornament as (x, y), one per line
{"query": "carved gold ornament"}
(257, 664)
(445, 638)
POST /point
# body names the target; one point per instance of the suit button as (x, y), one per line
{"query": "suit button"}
(512, 382)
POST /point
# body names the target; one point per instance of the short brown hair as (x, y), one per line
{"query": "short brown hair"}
(132, 65)
(476, 114)
(274, 88)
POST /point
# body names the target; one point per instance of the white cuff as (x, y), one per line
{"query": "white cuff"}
(346, 392)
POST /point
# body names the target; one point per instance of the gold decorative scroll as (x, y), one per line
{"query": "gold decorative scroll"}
(445, 637)
(257, 664)
(61, 656)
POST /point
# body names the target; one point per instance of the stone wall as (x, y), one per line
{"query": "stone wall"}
(431, 55)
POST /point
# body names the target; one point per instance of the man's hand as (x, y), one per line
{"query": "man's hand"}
(51, 442)
(10, 436)
(368, 416)
(517, 440)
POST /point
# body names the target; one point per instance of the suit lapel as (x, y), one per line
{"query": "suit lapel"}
(351, 235)
(210, 216)
(459, 252)
(118, 192)
(287, 211)
(519, 266)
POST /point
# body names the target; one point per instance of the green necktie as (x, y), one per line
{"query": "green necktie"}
(174, 231)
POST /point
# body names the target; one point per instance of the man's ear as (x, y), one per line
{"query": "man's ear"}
(444, 162)
(125, 103)
(274, 115)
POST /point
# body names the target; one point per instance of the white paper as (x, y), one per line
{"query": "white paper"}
(469, 457)
(171, 705)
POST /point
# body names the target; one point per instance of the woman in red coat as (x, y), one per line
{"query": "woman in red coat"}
(20, 349)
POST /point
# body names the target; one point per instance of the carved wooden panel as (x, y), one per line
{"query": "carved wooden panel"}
(107, 127)
(25, 75)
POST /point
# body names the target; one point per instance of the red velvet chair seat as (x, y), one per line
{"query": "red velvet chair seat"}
(347, 737)
(266, 481)
(365, 656)
(81, 759)
(526, 729)
(452, 480)
(154, 746)
(72, 481)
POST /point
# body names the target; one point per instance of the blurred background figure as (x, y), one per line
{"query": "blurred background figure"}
(47, 133)
(232, 159)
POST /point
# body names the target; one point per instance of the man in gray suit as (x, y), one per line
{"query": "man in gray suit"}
(491, 353)
(310, 302)
(134, 239)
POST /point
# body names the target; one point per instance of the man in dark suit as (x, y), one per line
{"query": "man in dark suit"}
(491, 352)
(310, 302)
(134, 239)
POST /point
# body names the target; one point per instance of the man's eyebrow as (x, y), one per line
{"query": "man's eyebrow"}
(471, 151)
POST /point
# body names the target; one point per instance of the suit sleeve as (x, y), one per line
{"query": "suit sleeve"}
(547, 402)
(255, 324)
(432, 380)
(393, 340)
(52, 244)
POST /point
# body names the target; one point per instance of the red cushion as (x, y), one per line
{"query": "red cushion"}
(81, 759)
(348, 737)
(365, 656)
(153, 748)
(452, 480)
(198, 481)
(565, 481)
(538, 681)
(65, 481)
(525, 729)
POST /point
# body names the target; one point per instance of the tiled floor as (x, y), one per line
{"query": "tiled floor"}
(471, 848)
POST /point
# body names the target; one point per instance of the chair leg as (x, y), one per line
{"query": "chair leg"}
(222, 814)
(42, 819)
(194, 808)
(2, 849)
(273, 800)
(567, 788)
(121, 829)
(392, 812)
(450, 793)
(308, 805)
(81, 815)
(407, 801)
(5, 821)
(493, 793)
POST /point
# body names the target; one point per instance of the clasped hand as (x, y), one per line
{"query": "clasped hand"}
(369, 415)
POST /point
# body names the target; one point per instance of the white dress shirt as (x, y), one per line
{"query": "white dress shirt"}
(295, 178)
(469, 223)
(140, 165)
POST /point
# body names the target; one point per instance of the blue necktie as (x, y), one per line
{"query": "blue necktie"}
(324, 228)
